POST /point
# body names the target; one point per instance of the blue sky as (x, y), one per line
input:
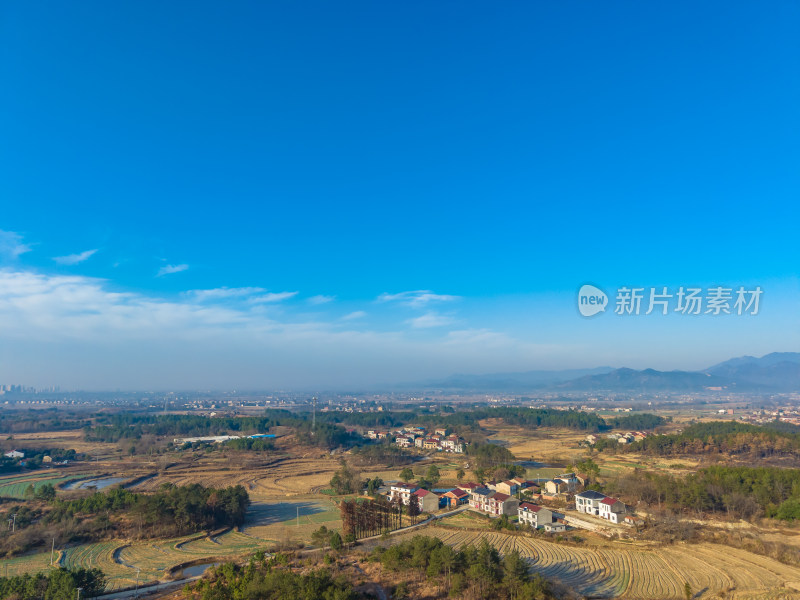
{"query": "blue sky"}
(387, 192)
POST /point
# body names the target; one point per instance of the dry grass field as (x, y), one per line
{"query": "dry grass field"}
(70, 439)
(278, 521)
(641, 572)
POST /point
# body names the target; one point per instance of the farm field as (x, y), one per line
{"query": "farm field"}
(72, 438)
(537, 444)
(638, 572)
(278, 520)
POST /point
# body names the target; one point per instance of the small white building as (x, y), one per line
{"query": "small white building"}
(15, 454)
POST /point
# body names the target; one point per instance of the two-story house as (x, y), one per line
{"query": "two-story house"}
(534, 515)
(402, 492)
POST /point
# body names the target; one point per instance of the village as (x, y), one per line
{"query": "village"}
(416, 437)
(553, 505)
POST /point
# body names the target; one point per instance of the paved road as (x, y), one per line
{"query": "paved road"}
(151, 589)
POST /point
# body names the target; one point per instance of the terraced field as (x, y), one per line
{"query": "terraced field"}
(119, 561)
(100, 555)
(32, 563)
(154, 558)
(15, 486)
(641, 573)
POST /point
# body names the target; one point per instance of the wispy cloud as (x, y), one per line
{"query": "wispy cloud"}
(170, 269)
(74, 259)
(428, 320)
(222, 293)
(11, 245)
(416, 298)
(272, 297)
(358, 314)
(321, 299)
(83, 332)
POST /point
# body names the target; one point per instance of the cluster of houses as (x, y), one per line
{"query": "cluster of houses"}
(497, 498)
(20, 456)
(417, 437)
(622, 438)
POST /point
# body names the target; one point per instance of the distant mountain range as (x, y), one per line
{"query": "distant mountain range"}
(776, 372)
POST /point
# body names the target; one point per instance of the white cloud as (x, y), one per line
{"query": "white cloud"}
(429, 319)
(321, 299)
(416, 298)
(358, 314)
(11, 245)
(272, 297)
(74, 259)
(170, 269)
(81, 332)
(224, 292)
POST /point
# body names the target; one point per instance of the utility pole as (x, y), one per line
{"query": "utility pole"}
(52, 550)
(79, 590)
(14, 526)
(298, 516)
(137, 581)
(314, 416)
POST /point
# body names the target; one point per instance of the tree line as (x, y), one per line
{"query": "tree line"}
(171, 511)
(57, 584)
(527, 417)
(730, 438)
(474, 571)
(741, 492)
(131, 426)
(363, 518)
(269, 580)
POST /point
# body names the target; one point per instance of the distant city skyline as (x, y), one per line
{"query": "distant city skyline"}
(342, 196)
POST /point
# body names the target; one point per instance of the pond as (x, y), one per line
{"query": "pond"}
(99, 483)
(531, 464)
(196, 570)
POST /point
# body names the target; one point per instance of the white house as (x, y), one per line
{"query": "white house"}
(600, 505)
(402, 491)
(479, 498)
(15, 454)
(589, 502)
(534, 515)
(612, 509)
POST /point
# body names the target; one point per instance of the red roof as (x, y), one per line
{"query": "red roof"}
(500, 497)
(458, 493)
(609, 501)
(408, 486)
(422, 493)
(469, 485)
(530, 507)
(510, 482)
